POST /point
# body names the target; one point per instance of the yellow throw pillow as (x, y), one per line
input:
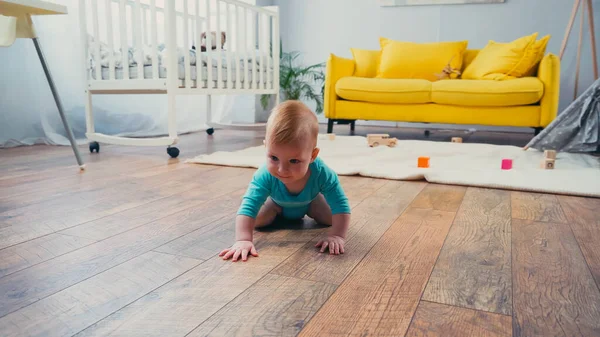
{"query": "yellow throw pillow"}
(540, 50)
(365, 62)
(502, 61)
(405, 60)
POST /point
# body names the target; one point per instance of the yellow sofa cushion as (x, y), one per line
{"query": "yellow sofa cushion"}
(409, 60)
(521, 91)
(502, 61)
(539, 49)
(525, 116)
(366, 62)
(379, 90)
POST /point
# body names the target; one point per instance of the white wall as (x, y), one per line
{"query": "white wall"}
(318, 28)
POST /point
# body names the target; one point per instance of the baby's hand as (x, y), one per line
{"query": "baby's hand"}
(334, 242)
(239, 248)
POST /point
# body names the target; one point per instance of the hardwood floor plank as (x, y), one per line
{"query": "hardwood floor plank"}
(202, 243)
(62, 173)
(27, 286)
(92, 188)
(75, 308)
(100, 229)
(26, 225)
(381, 294)
(440, 197)
(97, 193)
(473, 270)
(203, 291)
(369, 220)
(358, 188)
(274, 306)
(554, 292)
(434, 319)
(584, 218)
(537, 207)
(39, 250)
(41, 179)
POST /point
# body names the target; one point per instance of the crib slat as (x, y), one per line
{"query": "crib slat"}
(171, 41)
(137, 30)
(153, 26)
(253, 39)
(269, 84)
(109, 32)
(246, 55)
(261, 48)
(198, 47)
(219, 51)
(84, 39)
(238, 64)
(96, 40)
(144, 27)
(228, 51)
(276, 55)
(186, 55)
(209, 79)
(123, 38)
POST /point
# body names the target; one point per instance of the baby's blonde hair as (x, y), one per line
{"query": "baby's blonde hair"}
(292, 121)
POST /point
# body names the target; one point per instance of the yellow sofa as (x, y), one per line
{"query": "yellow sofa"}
(522, 102)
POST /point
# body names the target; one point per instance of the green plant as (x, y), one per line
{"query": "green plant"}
(297, 81)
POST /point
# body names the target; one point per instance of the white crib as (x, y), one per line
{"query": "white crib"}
(175, 37)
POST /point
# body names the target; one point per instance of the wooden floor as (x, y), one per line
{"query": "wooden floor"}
(129, 248)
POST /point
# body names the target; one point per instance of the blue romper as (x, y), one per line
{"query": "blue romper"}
(322, 180)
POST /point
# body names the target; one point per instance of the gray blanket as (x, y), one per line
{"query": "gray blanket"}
(577, 128)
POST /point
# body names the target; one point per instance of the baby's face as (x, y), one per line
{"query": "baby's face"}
(289, 162)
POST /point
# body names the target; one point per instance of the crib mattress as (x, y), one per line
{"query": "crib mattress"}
(162, 73)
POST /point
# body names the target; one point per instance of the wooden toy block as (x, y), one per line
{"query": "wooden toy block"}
(507, 164)
(456, 140)
(331, 136)
(548, 164)
(423, 162)
(550, 154)
(376, 139)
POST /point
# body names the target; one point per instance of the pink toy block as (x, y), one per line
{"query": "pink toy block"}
(506, 164)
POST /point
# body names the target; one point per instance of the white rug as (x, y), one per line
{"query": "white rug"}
(450, 163)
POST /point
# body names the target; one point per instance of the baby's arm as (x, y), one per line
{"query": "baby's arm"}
(256, 194)
(340, 209)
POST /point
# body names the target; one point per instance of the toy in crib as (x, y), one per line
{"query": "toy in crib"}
(213, 39)
(376, 139)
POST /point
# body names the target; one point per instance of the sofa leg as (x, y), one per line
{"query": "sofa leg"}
(330, 125)
(537, 130)
(352, 126)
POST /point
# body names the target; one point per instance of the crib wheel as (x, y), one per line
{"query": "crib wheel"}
(210, 131)
(94, 146)
(173, 152)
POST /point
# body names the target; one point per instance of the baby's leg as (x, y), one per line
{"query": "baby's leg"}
(320, 211)
(267, 213)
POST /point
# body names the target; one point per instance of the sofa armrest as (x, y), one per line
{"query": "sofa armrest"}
(549, 74)
(337, 67)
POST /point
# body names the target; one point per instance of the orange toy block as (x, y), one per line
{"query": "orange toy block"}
(423, 162)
